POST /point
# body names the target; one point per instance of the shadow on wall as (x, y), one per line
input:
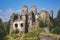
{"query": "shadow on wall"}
(26, 23)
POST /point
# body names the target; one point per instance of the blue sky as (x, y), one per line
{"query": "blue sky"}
(7, 7)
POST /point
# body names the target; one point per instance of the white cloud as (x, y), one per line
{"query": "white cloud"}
(0, 10)
(18, 11)
(43, 9)
(5, 14)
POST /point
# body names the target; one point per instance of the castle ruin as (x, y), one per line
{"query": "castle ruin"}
(27, 21)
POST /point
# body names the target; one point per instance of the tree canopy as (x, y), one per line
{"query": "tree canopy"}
(58, 14)
(56, 23)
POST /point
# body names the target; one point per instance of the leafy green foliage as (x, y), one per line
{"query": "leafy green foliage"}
(12, 37)
(15, 31)
(34, 35)
(2, 30)
(15, 34)
(56, 30)
(56, 22)
(31, 34)
(44, 23)
(7, 27)
(58, 15)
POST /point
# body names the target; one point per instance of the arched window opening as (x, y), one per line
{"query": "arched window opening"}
(20, 16)
(16, 25)
(21, 24)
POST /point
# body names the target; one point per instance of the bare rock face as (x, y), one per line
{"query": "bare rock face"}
(43, 37)
(49, 37)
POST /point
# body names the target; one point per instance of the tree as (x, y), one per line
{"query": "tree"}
(56, 30)
(2, 30)
(7, 27)
(56, 23)
(57, 19)
(44, 23)
(58, 15)
(41, 22)
(1, 25)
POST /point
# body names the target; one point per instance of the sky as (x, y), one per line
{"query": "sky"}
(7, 7)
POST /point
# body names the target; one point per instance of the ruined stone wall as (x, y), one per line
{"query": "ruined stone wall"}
(29, 18)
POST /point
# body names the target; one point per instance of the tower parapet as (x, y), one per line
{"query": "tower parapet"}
(25, 9)
(34, 9)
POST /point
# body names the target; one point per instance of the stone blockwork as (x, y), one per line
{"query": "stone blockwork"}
(44, 36)
(27, 21)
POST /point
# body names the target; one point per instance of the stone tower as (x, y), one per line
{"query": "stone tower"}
(25, 10)
(44, 15)
(25, 14)
(11, 22)
(33, 14)
(34, 10)
(32, 18)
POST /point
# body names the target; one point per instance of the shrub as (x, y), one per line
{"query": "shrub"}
(12, 36)
(56, 30)
(33, 35)
(42, 24)
(15, 31)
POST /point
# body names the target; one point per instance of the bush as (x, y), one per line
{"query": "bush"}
(42, 24)
(33, 35)
(56, 30)
(15, 31)
(12, 36)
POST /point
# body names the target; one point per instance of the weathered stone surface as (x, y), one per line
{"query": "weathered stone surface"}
(45, 37)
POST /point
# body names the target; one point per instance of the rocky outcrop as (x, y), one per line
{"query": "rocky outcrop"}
(49, 37)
